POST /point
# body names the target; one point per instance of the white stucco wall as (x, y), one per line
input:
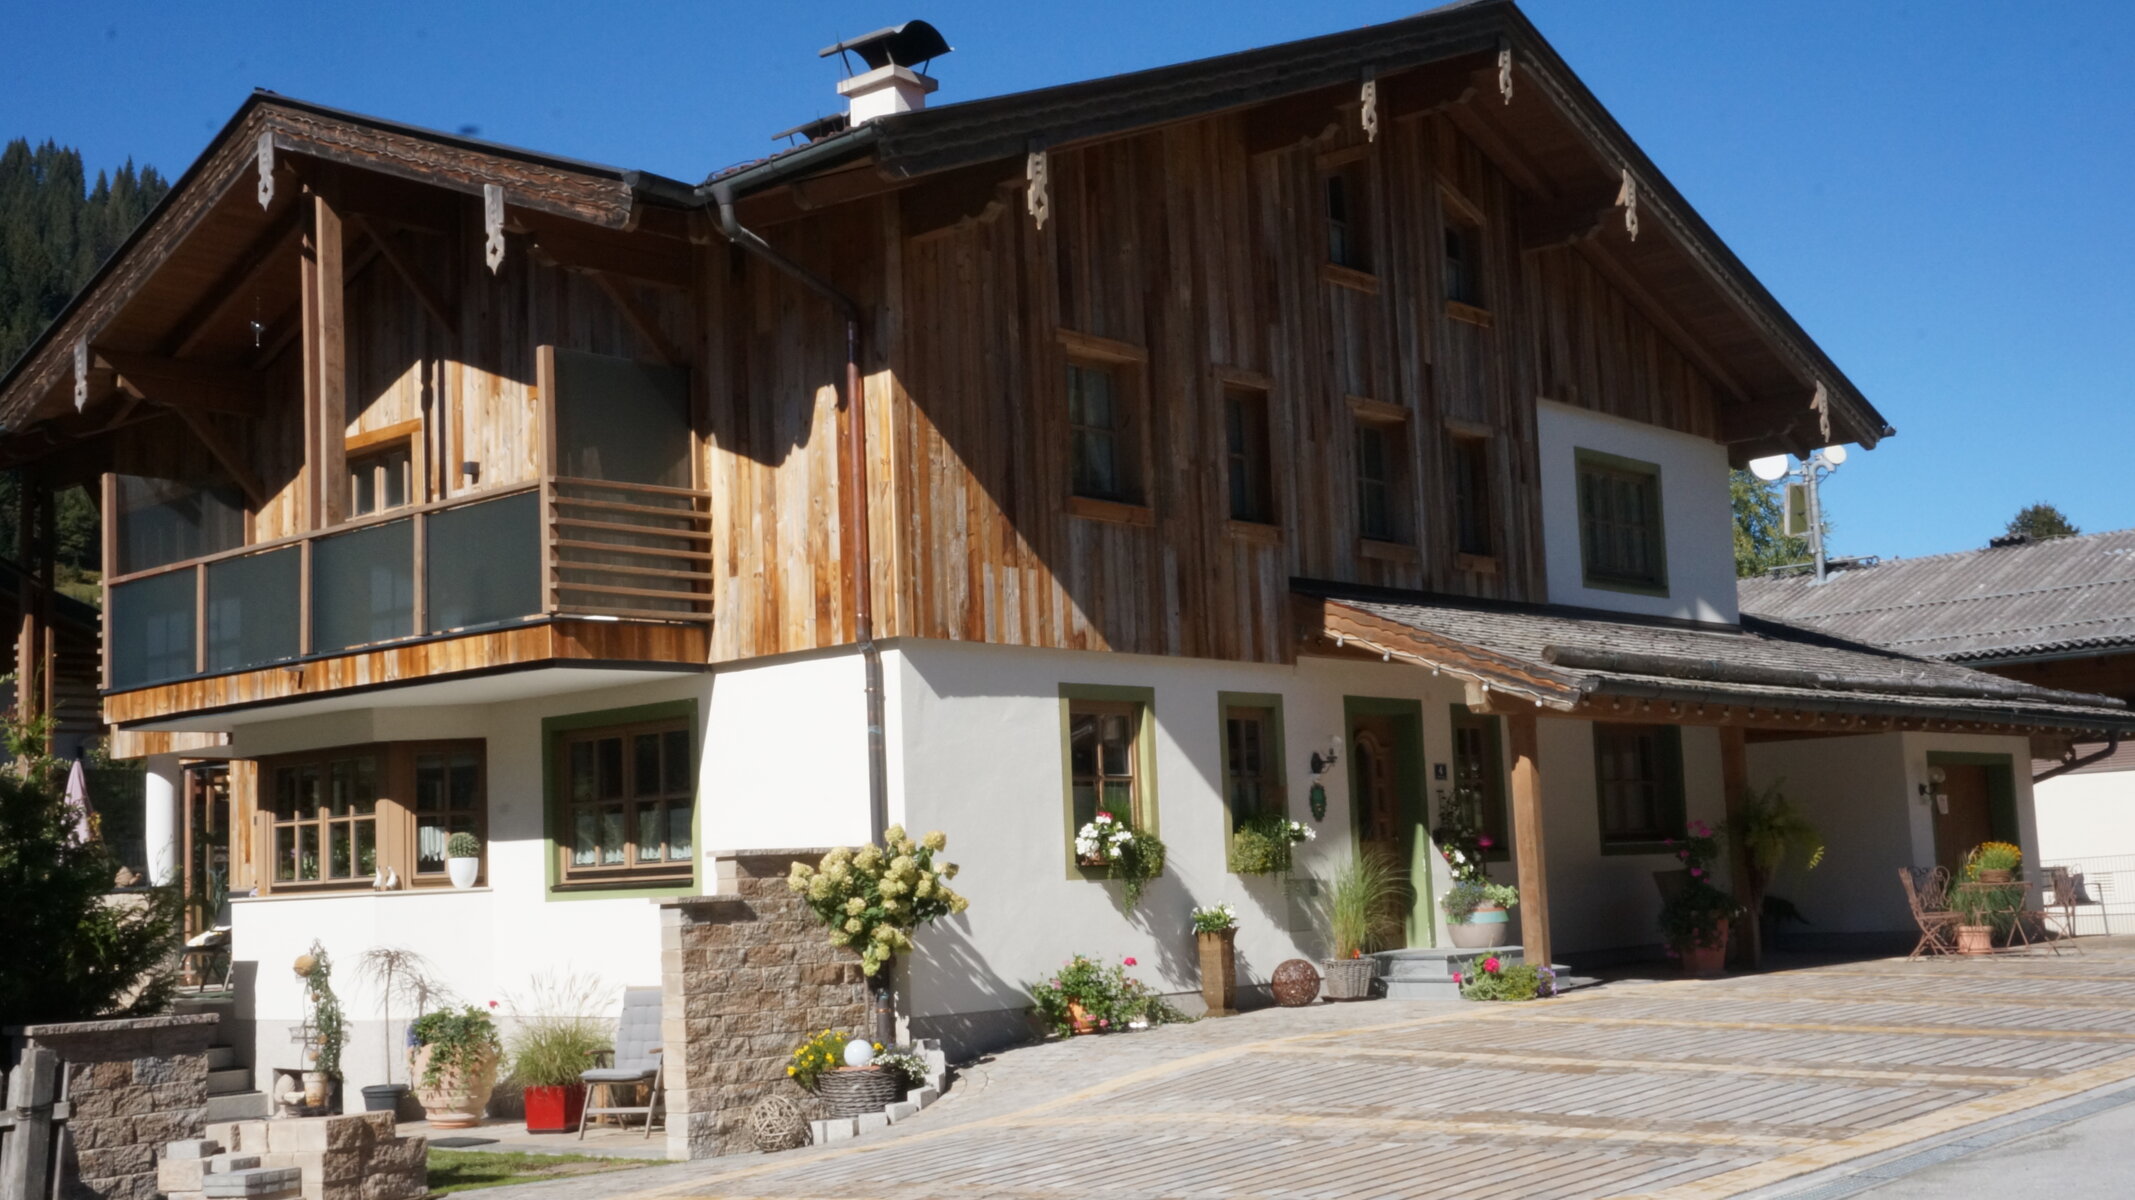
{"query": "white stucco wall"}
(1858, 793)
(1695, 516)
(2088, 815)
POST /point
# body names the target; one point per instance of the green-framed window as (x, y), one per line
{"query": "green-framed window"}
(621, 789)
(1622, 545)
(1252, 755)
(1638, 778)
(1479, 776)
(1108, 757)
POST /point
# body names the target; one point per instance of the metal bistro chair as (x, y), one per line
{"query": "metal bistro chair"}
(2070, 890)
(1927, 890)
(636, 1060)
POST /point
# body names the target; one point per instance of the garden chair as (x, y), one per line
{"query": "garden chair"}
(1927, 890)
(2070, 890)
(636, 1061)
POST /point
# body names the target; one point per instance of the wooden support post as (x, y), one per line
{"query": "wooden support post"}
(325, 363)
(1734, 783)
(1520, 735)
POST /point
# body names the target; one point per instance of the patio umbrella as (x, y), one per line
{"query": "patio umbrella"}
(78, 795)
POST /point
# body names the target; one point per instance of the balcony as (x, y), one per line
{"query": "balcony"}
(495, 560)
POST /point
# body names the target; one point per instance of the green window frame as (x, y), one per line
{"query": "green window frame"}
(1251, 738)
(670, 876)
(1623, 546)
(1085, 710)
(1478, 753)
(1638, 786)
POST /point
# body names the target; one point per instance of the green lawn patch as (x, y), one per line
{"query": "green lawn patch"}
(462, 1170)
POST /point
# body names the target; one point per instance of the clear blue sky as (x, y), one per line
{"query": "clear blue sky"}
(1936, 190)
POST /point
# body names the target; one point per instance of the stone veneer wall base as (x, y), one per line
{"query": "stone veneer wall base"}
(747, 973)
(134, 1084)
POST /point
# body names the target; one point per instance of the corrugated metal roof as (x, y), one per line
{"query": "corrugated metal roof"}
(2051, 597)
(1834, 674)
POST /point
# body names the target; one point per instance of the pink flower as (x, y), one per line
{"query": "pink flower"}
(1697, 872)
(1130, 962)
(1485, 842)
(1683, 854)
(1490, 964)
(1456, 978)
(492, 1004)
(1667, 841)
(1104, 1022)
(1056, 983)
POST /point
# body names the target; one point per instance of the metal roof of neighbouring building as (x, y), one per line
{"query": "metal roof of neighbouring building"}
(2033, 599)
(1568, 658)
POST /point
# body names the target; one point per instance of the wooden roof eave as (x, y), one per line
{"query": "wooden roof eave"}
(1328, 625)
(249, 152)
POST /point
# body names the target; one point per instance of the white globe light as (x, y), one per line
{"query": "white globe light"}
(1769, 469)
(859, 1053)
(1835, 455)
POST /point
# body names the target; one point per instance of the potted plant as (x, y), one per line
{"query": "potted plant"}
(1132, 856)
(1993, 862)
(454, 1064)
(1261, 844)
(1989, 900)
(841, 1070)
(463, 859)
(394, 972)
(871, 899)
(1496, 979)
(1215, 936)
(1085, 996)
(1360, 902)
(325, 1029)
(1477, 913)
(1696, 915)
(1770, 831)
(552, 1043)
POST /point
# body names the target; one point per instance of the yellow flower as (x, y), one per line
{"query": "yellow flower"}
(878, 1045)
(935, 841)
(791, 1071)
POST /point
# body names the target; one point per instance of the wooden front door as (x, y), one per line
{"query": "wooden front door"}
(1384, 769)
(1973, 815)
(207, 845)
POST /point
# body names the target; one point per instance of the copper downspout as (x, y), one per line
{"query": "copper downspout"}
(854, 484)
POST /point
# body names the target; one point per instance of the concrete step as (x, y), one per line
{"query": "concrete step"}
(255, 1183)
(221, 1058)
(238, 1106)
(229, 1081)
(1426, 973)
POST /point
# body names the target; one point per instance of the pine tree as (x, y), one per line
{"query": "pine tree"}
(2040, 522)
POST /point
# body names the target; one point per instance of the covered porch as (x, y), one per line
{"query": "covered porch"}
(1617, 732)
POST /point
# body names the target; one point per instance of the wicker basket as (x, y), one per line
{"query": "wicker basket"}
(854, 1091)
(1347, 978)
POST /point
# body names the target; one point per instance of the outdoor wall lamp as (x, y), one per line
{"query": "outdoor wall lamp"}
(1322, 763)
(1931, 792)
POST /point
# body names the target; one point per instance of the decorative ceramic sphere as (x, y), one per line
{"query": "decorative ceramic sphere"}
(859, 1052)
(1295, 983)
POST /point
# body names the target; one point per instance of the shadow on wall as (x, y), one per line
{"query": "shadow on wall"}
(945, 963)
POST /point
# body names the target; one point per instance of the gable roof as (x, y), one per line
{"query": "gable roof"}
(2039, 599)
(1582, 661)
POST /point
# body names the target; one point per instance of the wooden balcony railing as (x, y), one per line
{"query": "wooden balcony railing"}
(500, 557)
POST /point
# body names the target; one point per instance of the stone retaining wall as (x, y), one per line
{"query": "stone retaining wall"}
(748, 973)
(135, 1084)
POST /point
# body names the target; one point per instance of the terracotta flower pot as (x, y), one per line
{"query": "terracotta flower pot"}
(1083, 1021)
(457, 1099)
(1996, 876)
(1975, 939)
(1489, 926)
(1707, 961)
(1219, 971)
(554, 1109)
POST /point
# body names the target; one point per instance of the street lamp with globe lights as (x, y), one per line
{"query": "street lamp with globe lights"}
(1810, 473)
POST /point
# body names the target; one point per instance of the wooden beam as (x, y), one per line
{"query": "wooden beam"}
(325, 361)
(1501, 148)
(1527, 836)
(197, 385)
(269, 250)
(409, 273)
(1597, 251)
(639, 256)
(641, 319)
(203, 427)
(1734, 789)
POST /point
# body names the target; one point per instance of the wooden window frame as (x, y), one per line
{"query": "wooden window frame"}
(1670, 809)
(1471, 475)
(1349, 242)
(1389, 421)
(382, 827)
(1265, 708)
(1596, 463)
(1081, 698)
(1460, 219)
(556, 733)
(1127, 366)
(395, 821)
(1245, 462)
(375, 446)
(1494, 815)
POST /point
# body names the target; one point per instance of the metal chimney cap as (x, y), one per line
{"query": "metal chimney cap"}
(906, 45)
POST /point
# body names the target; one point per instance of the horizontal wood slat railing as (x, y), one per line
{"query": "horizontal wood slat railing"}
(635, 550)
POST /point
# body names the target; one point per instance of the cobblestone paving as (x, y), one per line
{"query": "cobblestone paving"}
(1684, 1089)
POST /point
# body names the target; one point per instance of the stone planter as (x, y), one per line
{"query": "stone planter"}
(1346, 978)
(1975, 939)
(1486, 928)
(457, 1100)
(1219, 971)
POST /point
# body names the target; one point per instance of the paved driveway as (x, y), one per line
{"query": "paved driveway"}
(1679, 1089)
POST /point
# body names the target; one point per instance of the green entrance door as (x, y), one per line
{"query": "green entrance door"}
(1387, 803)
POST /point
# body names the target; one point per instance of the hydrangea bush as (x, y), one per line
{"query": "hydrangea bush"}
(872, 898)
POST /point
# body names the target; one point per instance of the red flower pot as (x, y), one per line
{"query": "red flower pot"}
(555, 1109)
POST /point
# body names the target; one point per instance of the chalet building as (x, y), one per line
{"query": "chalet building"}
(1338, 428)
(2057, 613)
